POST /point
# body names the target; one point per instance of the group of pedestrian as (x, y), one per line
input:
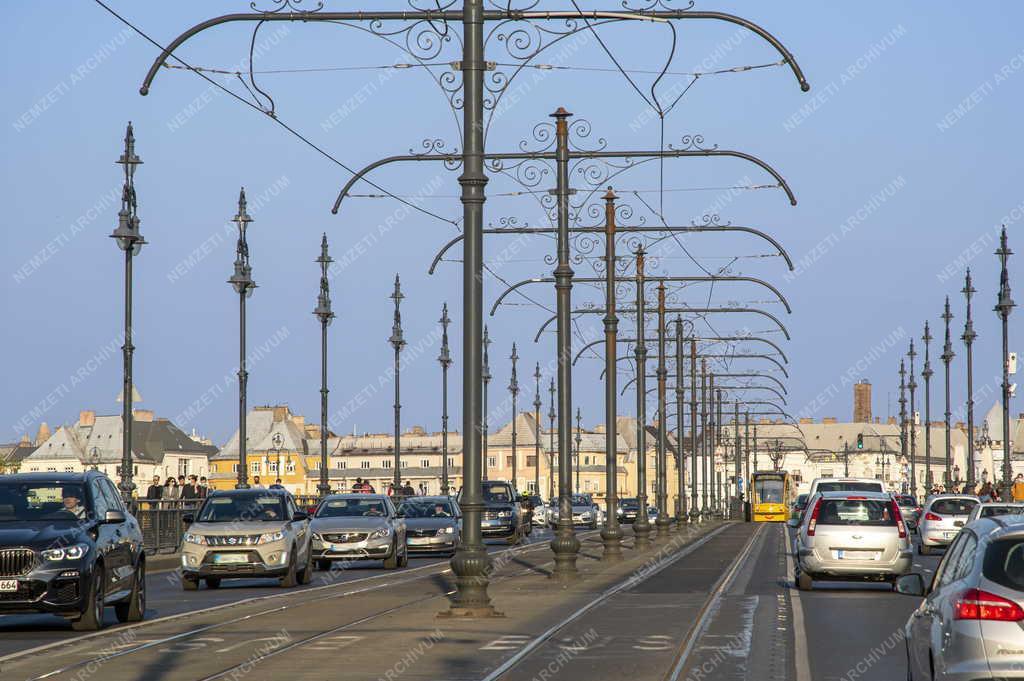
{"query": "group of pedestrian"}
(361, 486)
(193, 487)
(988, 492)
(404, 490)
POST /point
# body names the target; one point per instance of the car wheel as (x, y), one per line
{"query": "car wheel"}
(189, 583)
(92, 618)
(323, 565)
(291, 578)
(804, 582)
(391, 562)
(306, 573)
(134, 609)
(212, 582)
(404, 560)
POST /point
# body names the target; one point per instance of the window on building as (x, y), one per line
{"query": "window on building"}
(531, 461)
(531, 487)
(451, 461)
(234, 468)
(272, 466)
(492, 461)
(290, 466)
(255, 466)
(341, 464)
(508, 462)
(386, 463)
(69, 469)
(316, 465)
(586, 461)
(364, 464)
(425, 463)
(826, 473)
(183, 467)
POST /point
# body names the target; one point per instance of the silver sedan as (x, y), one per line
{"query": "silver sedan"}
(358, 527)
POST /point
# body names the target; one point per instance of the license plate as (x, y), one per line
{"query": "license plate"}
(419, 541)
(949, 535)
(8, 585)
(228, 558)
(855, 555)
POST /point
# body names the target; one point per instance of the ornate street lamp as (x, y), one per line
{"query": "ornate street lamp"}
(903, 413)
(551, 444)
(927, 374)
(642, 524)
(130, 241)
(578, 438)
(277, 442)
(912, 386)
(486, 376)
(968, 338)
(445, 359)
(397, 341)
(324, 313)
(536, 439)
(241, 281)
(947, 357)
(1004, 306)
(513, 388)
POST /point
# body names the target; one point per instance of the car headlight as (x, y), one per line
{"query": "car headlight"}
(381, 533)
(268, 537)
(447, 530)
(191, 538)
(504, 514)
(73, 552)
(317, 537)
(585, 514)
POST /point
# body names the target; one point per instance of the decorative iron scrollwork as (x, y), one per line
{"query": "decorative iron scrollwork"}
(290, 5)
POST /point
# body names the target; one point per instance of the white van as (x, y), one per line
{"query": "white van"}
(846, 485)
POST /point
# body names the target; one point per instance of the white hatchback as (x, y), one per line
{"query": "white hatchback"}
(942, 518)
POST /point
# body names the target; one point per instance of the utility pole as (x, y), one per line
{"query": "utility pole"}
(912, 386)
(903, 416)
(513, 388)
(927, 374)
(662, 522)
(241, 280)
(968, 338)
(536, 440)
(445, 359)
(397, 343)
(551, 442)
(324, 313)
(642, 525)
(486, 378)
(1004, 306)
(611, 534)
(947, 357)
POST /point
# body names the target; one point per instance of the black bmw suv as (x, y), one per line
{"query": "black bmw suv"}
(68, 546)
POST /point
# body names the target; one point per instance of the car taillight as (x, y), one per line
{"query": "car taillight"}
(813, 522)
(931, 516)
(975, 604)
(899, 520)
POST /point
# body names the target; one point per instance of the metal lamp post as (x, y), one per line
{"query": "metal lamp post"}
(968, 338)
(326, 316)
(244, 285)
(947, 357)
(662, 522)
(445, 359)
(578, 438)
(513, 388)
(486, 378)
(277, 443)
(912, 386)
(611, 533)
(537, 430)
(1004, 306)
(551, 442)
(903, 414)
(130, 241)
(642, 525)
(926, 373)
(397, 341)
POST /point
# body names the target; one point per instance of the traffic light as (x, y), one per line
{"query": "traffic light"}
(860, 441)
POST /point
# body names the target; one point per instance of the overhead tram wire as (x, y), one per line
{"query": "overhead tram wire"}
(320, 150)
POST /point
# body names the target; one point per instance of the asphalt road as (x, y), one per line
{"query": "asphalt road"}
(165, 597)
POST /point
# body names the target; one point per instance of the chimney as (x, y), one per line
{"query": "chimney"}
(43, 434)
(891, 421)
(300, 421)
(143, 415)
(862, 402)
(960, 425)
(830, 420)
(86, 417)
(280, 413)
(25, 442)
(806, 420)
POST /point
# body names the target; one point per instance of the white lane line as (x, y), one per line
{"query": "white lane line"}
(69, 642)
(635, 579)
(711, 605)
(803, 661)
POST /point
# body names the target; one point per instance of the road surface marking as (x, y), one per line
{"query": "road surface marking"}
(803, 662)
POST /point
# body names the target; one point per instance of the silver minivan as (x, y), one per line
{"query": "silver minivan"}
(970, 624)
(851, 536)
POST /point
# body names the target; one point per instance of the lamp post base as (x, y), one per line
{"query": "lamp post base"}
(662, 526)
(612, 540)
(566, 548)
(642, 535)
(472, 567)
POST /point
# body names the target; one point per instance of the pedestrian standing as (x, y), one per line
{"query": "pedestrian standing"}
(156, 490)
(171, 490)
(256, 484)
(204, 488)
(357, 486)
(391, 489)
(986, 492)
(191, 489)
(407, 490)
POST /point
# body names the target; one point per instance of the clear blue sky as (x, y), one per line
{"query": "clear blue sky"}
(905, 156)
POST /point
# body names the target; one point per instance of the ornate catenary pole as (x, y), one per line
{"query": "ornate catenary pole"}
(947, 357)
(1004, 306)
(926, 373)
(130, 241)
(325, 315)
(486, 378)
(703, 438)
(397, 341)
(578, 438)
(903, 415)
(746, 456)
(565, 545)
(681, 516)
(737, 507)
(661, 468)
(611, 534)
(445, 359)
(719, 489)
(241, 281)
(537, 430)
(551, 441)
(642, 525)
(912, 387)
(968, 338)
(513, 388)
(694, 458)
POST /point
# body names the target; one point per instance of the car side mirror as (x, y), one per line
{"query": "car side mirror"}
(187, 519)
(911, 585)
(299, 516)
(114, 518)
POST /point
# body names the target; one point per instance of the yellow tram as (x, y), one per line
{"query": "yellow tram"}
(771, 493)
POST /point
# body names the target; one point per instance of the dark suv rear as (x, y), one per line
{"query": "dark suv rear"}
(68, 546)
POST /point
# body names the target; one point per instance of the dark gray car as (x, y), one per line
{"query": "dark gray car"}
(432, 524)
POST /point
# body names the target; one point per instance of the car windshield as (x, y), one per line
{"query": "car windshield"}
(953, 506)
(243, 508)
(629, 503)
(496, 492)
(906, 500)
(350, 508)
(1004, 563)
(419, 508)
(768, 490)
(27, 501)
(989, 511)
(855, 512)
(581, 500)
(801, 500)
(840, 486)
